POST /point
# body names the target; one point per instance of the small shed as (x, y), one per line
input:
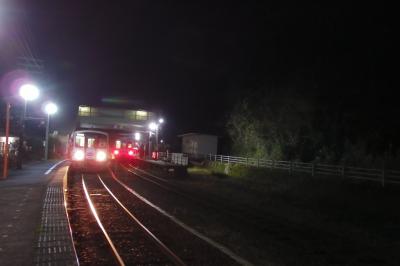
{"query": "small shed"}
(199, 144)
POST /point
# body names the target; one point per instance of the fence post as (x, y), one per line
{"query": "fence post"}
(343, 168)
(258, 162)
(221, 158)
(272, 164)
(215, 157)
(383, 175)
(290, 168)
(247, 161)
(312, 169)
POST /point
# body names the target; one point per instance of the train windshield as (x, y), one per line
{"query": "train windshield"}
(91, 140)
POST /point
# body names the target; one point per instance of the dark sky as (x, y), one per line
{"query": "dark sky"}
(193, 59)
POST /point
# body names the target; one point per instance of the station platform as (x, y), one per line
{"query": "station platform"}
(33, 224)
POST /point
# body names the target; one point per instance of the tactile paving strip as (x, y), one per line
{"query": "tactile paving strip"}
(54, 245)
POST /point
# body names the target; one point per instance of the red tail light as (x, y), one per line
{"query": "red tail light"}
(130, 152)
(116, 152)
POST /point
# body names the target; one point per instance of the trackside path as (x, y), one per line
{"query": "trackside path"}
(26, 203)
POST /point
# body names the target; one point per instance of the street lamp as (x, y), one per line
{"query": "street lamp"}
(50, 109)
(28, 92)
(137, 136)
(155, 127)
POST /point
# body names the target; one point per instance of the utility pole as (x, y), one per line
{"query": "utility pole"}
(6, 145)
(150, 144)
(157, 140)
(46, 150)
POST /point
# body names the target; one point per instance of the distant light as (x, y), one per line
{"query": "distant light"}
(29, 92)
(162, 141)
(161, 120)
(50, 108)
(137, 136)
(153, 126)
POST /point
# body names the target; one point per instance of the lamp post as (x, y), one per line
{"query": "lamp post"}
(160, 121)
(50, 109)
(28, 92)
(155, 127)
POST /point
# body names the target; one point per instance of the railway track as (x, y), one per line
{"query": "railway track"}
(243, 216)
(112, 235)
(129, 230)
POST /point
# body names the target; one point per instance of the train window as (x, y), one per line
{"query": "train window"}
(118, 144)
(80, 140)
(91, 142)
(102, 143)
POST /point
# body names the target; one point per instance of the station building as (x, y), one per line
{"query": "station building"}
(198, 145)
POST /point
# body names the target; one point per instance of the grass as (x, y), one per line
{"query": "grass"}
(358, 211)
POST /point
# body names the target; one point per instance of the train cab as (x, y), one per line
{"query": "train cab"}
(125, 150)
(89, 150)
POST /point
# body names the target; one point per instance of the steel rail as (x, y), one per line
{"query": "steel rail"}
(196, 233)
(150, 174)
(149, 234)
(209, 203)
(155, 182)
(65, 189)
(96, 216)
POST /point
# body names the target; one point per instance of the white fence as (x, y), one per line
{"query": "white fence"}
(175, 158)
(385, 176)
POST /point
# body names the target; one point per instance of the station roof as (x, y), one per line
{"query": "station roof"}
(195, 134)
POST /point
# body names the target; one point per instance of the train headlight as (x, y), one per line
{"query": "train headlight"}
(79, 155)
(101, 156)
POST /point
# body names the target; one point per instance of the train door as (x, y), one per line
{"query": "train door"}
(90, 148)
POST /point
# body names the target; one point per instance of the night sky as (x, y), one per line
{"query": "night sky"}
(193, 61)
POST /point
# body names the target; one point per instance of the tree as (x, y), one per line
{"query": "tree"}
(271, 125)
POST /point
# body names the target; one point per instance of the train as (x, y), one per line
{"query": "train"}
(104, 134)
(95, 150)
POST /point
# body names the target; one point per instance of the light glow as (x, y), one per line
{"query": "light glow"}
(29, 92)
(161, 120)
(137, 136)
(153, 126)
(130, 153)
(101, 156)
(79, 155)
(50, 108)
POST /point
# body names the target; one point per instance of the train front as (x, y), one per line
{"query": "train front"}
(89, 151)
